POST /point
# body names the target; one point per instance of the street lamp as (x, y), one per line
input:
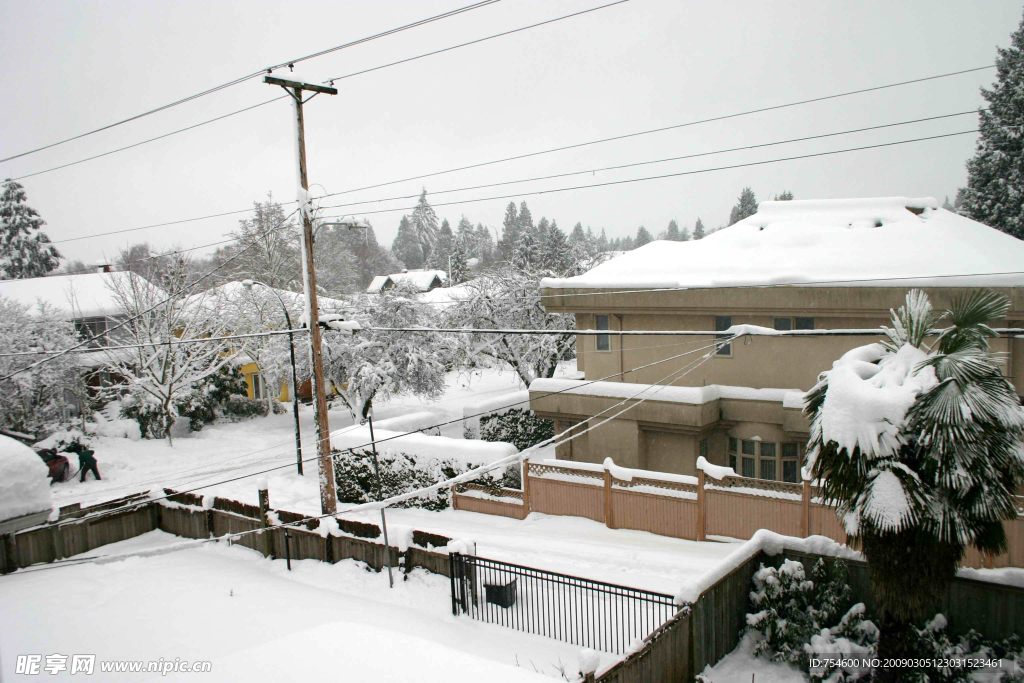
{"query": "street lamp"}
(248, 284)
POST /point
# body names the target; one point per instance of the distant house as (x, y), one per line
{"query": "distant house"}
(420, 280)
(830, 264)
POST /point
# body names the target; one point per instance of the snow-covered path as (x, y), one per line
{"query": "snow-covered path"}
(258, 622)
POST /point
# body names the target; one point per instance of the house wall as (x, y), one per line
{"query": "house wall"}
(666, 436)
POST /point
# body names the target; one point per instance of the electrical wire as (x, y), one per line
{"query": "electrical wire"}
(242, 79)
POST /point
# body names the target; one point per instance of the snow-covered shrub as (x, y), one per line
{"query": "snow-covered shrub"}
(517, 426)
(356, 481)
(244, 407)
(65, 439)
(933, 644)
(147, 412)
(791, 608)
(853, 637)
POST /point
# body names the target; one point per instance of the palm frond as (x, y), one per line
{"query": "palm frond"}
(971, 314)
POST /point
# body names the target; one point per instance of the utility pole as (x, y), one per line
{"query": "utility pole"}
(295, 88)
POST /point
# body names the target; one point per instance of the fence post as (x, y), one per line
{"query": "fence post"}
(10, 552)
(805, 511)
(609, 520)
(701, 504)
(268, 542)
(526, 488)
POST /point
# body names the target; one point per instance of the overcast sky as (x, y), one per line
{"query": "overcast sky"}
(73, 66)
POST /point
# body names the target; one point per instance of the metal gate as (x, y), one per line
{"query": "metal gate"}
(602, 616)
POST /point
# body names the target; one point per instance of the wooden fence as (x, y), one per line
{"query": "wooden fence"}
(183, 514)
(692, 508)
(704, 632)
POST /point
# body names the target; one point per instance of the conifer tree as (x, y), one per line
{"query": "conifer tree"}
(465, 234)
(673, 234)
(684, 235)
(510, 233)
(995, 175)
(443, 247)
(745, 207)
(698, 230)
(525, 257)
(406, 247)
(459, 268)
(643, 236)
(25, 251)
(485, 245)
(556, 252)
(786, 196)
(578, 235)
(602, 241)
(424, 225)
(525, 218)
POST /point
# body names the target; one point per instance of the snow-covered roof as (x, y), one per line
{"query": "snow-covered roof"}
(890, 241)
(85, 295)
(233, 291)
(423, 280)
(443, 297)
(24, 481)
(423, 445)
(378, 284)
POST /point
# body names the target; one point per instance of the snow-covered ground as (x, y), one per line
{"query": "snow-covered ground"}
(255, 621)
(741, 666)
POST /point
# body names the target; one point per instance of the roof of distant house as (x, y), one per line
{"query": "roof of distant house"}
(890, 241)
(422, 280)
(232, 291)
(85, 295)
(378, 284)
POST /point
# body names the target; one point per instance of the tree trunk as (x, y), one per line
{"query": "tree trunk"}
(910, 573)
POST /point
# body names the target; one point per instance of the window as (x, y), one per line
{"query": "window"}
(748, 468)
(94, 329)
(768, 461)
(749, 447)
(733, 444)
(783, 324)
(790, 463)
(257, 386)
(604, 342)
(805, 323)
(723, 322)
(704, 448)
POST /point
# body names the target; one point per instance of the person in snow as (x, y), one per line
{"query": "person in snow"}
(86, 461)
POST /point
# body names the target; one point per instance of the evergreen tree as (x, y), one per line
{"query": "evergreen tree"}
(525, 218)
(673, 234)
(526, 257)
(465, 235)
(459, 268)
(627, 244)
(424, 225)
(643, 236)
(510, 233)
(556, 252)
(698, 230)
(995, 176)
(541, 233)
(958, 201)
(443, 248)
(485, 245)
(745, 207)
(684, 235)
(25, 251)
(577, 236)
(406, 247)
(786, 196)
(946, 205)
(602, 242)
(931, 467)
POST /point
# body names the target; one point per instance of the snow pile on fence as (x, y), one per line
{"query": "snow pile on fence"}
(770, 543)
(658, 392)
(24, 481)
(423, 446)
(859, 242)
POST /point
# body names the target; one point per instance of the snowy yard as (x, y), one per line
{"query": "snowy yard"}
(255, 621)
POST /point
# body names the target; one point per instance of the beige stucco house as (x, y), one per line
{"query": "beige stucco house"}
(828, 265)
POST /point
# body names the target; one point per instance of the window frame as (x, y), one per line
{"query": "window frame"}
(801, 322)
(788, 321)
(258, 388)
(606, 339)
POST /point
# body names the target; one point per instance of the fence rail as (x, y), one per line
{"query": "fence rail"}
(588, 613)
(734, 506)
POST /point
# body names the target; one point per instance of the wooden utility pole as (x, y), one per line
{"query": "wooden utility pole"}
(295, 88)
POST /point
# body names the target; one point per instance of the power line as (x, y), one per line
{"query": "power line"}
(738, 330)
(376, 68)
(658, 161)
(242, 79)
(548, 151)
(672, 127)
(473, 42)
(170, 342)
(671, 175)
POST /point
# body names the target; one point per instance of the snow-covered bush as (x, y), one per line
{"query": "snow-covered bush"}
(356, 481)
(853, 638)
(791, 607)
(65, 439)
(241, 407)
(517, 426)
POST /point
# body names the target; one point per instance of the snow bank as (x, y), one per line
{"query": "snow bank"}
(24, 481)
(1007, 576)
(770, 543)
(666, 394)
(410, 422)
(860, 242)
(423, 445)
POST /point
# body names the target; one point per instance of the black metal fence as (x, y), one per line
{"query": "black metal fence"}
(587, 613)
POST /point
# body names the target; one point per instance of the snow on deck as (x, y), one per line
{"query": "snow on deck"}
(861, 242)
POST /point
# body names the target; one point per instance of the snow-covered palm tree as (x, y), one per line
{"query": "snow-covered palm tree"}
(919, 447)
